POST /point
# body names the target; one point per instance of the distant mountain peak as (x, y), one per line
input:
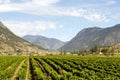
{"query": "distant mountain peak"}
(45, 42)
(91, 29)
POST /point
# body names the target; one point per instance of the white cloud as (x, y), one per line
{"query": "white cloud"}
(47, 7)
(115, 17)
(44, 25)
(96, 17)
(7, 8)
(90, 15)
(76, 12)
(44, 2)
(111, 2)
(4, 1)
(24, 28)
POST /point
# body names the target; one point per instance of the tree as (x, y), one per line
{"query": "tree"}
(82, 52)
(105, 51)
(95, 49)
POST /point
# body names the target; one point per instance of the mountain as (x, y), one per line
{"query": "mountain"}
(47, 43)
(11, 44)
(89, 37)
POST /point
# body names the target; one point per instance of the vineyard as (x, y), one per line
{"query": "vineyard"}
(59, 68)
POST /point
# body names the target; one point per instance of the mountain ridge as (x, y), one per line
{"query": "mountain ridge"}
(10, 44)
(89, 37)
(45, 42)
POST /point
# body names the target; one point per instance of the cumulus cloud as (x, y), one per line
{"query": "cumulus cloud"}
(48, 7)
(24, 28)
(44, 2)
(4, 1)
(96, 17)
(111, 2)
(8, 8)
(76, 12)
(90, 15)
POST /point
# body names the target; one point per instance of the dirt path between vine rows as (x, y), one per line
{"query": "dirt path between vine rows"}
(27, 73)
(17, 70)
(42, 68)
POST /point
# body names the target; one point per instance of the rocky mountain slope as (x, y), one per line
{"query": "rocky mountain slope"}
(89, 37)
(47, 43)
(11, 44)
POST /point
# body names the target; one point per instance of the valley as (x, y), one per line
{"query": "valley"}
(59, 39)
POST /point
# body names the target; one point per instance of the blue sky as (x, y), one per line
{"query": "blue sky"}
(61, 19)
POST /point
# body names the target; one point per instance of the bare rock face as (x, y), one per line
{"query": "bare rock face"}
(10, 44)
(89, 37)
